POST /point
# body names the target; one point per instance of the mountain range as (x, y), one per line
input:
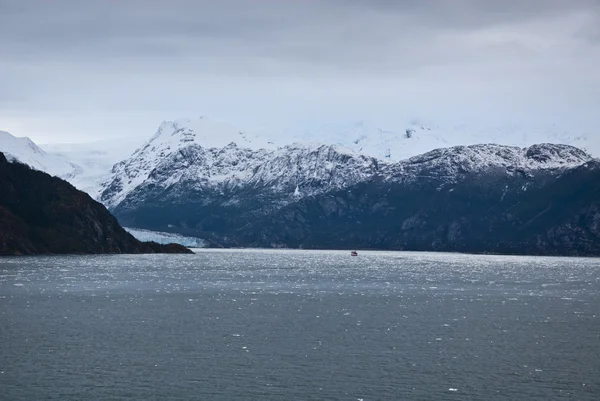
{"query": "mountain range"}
(88, 165)
(357, 188)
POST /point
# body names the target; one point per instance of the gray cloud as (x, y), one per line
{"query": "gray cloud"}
(268, 60)
(308, 31)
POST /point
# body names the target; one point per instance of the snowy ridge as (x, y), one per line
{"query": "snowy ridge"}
(469, 159)
(293, 170)
(27, 152)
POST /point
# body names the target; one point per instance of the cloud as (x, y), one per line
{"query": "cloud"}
(251, 61)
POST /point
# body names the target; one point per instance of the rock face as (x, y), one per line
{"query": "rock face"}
(40, 214)
(482, 198)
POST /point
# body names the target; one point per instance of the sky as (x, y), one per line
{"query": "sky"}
(86, 70)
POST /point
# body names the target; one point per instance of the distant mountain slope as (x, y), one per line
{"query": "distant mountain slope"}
(84, 165)
(44, 214)
(25, 151)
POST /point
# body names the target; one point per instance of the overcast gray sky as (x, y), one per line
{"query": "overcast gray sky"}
(82, 70)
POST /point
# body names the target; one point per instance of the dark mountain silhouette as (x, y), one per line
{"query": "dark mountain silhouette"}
(41, 214)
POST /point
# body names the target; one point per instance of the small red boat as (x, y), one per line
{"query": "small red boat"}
(353, 253)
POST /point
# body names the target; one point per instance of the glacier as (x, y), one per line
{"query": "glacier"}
(84, 165)
(94, 160)
(165, 238)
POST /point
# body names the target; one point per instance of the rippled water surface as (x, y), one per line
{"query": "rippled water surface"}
(307, 325)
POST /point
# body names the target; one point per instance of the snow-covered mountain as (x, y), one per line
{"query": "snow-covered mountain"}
(230, 154)
(110, 170)
(202, 154)
(171, 138)
(294, 170)
(300, 170)
(460, 160)
(329, 196)
(27, 152)
(182, 164)
(222, 157)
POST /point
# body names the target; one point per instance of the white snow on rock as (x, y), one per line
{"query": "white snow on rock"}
(479, 157)
(306, 169)
(27, 152)
(206, 151)
(170, 138)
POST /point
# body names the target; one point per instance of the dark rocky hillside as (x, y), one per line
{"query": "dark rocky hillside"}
(40, 214)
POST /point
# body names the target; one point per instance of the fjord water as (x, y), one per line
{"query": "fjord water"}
(309, 325)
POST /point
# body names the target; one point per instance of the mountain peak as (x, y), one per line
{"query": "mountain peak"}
(552, 154)
(7, 140)
(206, 133)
